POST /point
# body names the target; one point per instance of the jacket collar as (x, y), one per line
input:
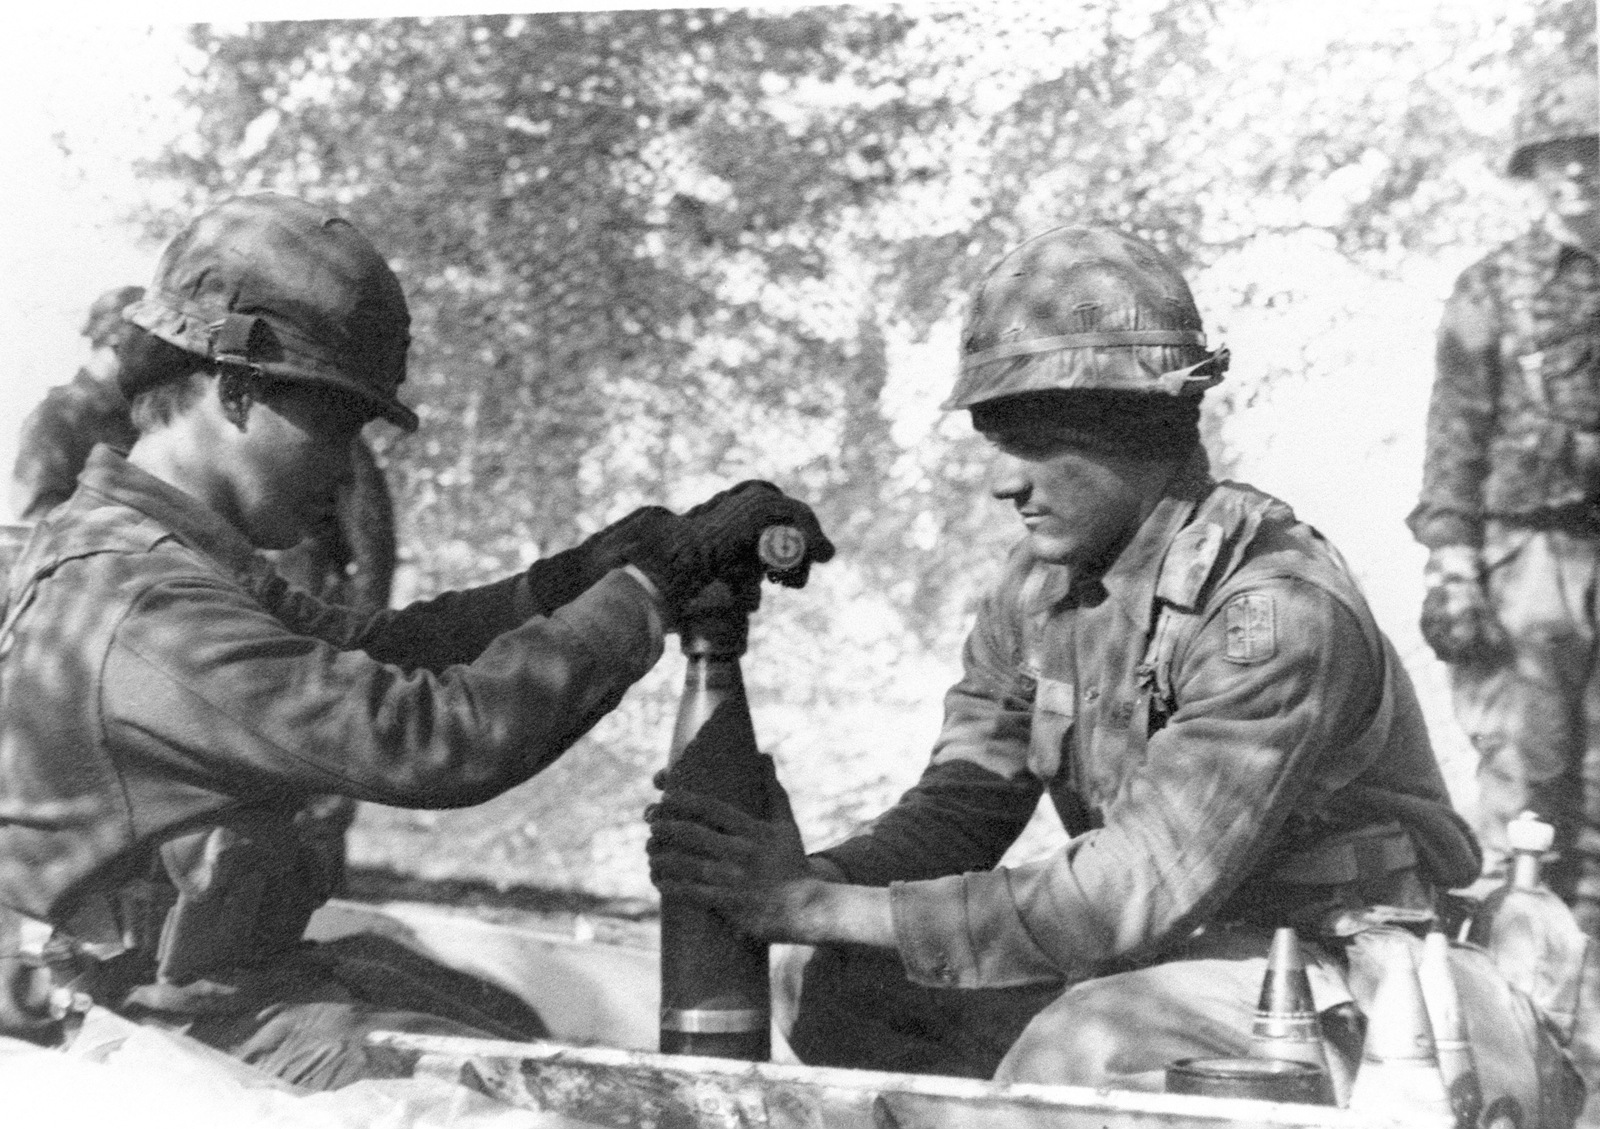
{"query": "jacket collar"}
(1131, 579)
(113, 478)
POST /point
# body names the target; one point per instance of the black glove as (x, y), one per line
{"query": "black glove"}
(1457, 620)
(746, 511)
(718, 540)
(554, 582)
(25, 1000)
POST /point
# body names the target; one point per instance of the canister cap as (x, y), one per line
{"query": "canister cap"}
(1530, 833)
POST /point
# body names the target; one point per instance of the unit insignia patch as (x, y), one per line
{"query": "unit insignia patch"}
(1252, 630)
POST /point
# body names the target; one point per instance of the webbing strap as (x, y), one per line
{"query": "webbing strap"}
(1109, 338)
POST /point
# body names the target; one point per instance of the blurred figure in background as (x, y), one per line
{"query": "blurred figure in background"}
(58, 435)
(1510, 507)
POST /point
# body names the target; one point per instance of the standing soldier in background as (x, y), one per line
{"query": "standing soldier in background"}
(1510, 508)
(58, 435)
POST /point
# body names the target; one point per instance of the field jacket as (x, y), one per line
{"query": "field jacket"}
(1514, 421)
(1223, 729)
(156, 677)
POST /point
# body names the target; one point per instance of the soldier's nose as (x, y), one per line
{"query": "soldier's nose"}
(1007, 478)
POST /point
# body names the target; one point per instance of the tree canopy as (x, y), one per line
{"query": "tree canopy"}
(651, 252)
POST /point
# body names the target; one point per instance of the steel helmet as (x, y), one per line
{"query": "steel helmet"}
(1083, 308)
(282, 287)
(1565, 109)
(105, 314)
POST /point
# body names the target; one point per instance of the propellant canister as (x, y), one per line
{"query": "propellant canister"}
(716, 996)
(1533, 937)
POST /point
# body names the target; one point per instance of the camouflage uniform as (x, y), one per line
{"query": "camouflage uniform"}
(350, 560)
(1513, 470)
(1227, 736)
(1233, 745)
(168, 705)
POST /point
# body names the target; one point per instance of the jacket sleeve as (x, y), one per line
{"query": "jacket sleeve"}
(1461, 418)
(211, 686)
(977, 795)
(434, 634)
(1193, 820)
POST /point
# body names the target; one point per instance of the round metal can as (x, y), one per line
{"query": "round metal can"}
(1264, 1079)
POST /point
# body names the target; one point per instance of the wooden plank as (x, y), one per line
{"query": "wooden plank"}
(640, 1090)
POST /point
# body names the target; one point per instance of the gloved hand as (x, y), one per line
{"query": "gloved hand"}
(718, 539)
(556, 581)
(1457, 621)
(753, 871)
(735, 519)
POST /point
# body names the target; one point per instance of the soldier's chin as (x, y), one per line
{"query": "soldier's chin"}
(1051, 549)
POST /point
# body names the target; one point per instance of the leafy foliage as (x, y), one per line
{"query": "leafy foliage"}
(652, 252)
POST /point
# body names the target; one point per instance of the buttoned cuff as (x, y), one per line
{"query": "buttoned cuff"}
(962, 932)
(618, 617)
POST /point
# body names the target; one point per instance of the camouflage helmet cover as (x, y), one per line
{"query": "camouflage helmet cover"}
(1565, 109)
(278, 285)
(1083, 308)
(105, 313)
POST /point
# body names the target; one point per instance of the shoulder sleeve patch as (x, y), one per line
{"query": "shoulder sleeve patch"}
(1252, 629)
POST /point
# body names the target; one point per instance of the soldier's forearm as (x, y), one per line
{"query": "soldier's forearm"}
(959, 817)
(835, 913)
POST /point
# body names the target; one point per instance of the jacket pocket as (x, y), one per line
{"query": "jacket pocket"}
(1561, 377)
(1055, 708)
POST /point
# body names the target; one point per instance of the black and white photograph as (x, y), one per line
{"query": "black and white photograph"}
(899, 565)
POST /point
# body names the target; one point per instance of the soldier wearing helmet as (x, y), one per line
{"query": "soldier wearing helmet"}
(171, 702)
(1510, 506)
(1188, 673)
(347, 559)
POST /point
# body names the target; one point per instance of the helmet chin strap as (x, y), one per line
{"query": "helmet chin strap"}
(238, 387)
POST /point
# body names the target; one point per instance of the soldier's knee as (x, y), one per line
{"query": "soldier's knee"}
(1076, 1041)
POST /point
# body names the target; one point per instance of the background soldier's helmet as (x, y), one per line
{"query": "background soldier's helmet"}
(105, 315)
(280, 287)
(1564, 109)
(1083, 308)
